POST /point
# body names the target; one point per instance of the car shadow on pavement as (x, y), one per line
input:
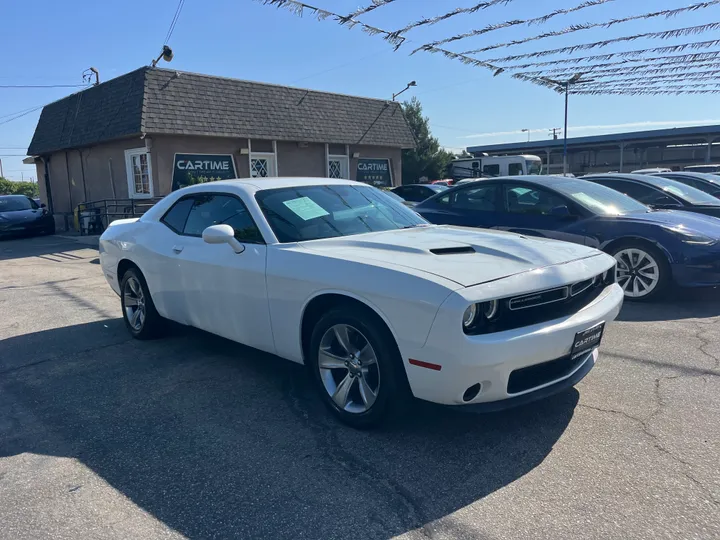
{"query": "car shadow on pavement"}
(51, 248)
(218, 440)
(676, 304)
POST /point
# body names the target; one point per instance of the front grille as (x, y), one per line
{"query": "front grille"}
(533, 376)
(538, 299)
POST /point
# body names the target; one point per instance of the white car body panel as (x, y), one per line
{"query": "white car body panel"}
(258, 297)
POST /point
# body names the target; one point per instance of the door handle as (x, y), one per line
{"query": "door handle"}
(178, 249)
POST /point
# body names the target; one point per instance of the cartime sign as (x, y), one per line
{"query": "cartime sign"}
(191, 169)
(375, 172)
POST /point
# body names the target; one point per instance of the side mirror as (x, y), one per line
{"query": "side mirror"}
(43, 205)
(222, 234)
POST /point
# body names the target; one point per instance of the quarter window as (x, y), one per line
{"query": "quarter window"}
(176, 217)
(529, 200)
(212, 209)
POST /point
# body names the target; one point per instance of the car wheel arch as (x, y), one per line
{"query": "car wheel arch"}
(609, 246)
(322, 302)
(123, 266)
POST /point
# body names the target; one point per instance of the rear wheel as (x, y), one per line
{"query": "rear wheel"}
(642, 271)
(355, 366)
(141, 318)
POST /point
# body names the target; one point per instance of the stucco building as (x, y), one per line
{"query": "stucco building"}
(152, 130)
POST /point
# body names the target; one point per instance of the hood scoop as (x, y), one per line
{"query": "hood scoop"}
(460, 250)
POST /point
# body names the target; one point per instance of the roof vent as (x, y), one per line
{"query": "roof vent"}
(453, 250)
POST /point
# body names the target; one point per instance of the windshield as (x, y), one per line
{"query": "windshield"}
(437, 188)
(534, 166)
(15, 203)
(688, 193)
(312, 212)
(599, 199)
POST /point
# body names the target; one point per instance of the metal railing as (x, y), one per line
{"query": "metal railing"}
(94, 217)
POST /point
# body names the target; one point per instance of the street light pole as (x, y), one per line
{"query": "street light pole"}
(528, 132)
(567, 87)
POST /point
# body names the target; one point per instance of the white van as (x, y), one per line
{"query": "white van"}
(488, 166)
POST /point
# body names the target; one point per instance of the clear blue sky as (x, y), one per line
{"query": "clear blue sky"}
(53, 42)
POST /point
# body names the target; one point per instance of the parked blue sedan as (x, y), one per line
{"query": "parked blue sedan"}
(654, 248)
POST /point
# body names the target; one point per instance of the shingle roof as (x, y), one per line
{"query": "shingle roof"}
(108, 111)
(162, 101)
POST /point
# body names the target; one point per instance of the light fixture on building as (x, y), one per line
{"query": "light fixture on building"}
(166, 54)
(356, 155)
(244, 151)
(411, 83)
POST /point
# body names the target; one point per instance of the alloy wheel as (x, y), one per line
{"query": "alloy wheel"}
(349, 368)
(638, 272)
(134, 303)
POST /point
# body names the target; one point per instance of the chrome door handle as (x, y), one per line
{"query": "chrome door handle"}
(178, 249)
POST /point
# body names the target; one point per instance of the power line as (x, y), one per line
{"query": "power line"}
(174, 21)
(21, 115)
(42, 85)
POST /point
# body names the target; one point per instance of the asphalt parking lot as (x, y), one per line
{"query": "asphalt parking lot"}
(193, 436)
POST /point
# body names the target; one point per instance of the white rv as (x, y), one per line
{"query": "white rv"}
(488, 166)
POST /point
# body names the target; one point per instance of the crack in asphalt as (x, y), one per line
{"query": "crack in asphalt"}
(657, 444)
(406, 506)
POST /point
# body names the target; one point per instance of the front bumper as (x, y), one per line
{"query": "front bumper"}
(24, 228)
(698, 267)
(490, 359)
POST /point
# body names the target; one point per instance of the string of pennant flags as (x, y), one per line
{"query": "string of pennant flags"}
(613, 73)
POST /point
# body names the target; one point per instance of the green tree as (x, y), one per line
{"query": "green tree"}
(427, 158)
(8, 187)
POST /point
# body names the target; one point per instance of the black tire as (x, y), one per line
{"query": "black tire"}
(152, 323)
(392, 392)
(663, 268)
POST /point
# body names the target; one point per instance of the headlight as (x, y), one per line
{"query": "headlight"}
(691, 237)
(490, 309)
(469, 315)
(477, 314)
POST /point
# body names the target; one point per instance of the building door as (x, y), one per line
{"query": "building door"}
(262, 165)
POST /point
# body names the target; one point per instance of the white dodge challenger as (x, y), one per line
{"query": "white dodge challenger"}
(378, 303)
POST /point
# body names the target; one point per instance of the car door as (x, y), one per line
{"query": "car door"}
(474, 205)
(225, 291)
(532, 210)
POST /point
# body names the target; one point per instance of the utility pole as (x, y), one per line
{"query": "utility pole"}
(554, 132)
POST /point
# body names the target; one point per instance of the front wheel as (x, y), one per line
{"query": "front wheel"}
(355, 367)
(642, 271)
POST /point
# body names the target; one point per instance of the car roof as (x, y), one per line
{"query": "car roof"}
(692, 174)
(260, 184)
(628, 176)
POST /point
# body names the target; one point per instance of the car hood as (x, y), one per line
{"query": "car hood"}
(466, 256)
(20, 216)
(708, 225)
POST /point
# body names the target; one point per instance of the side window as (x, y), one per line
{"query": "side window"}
(401, 191)
(639, 192)
(526, 200)
(491, 170)
(176, 217)
(515, 169)
(687, 181)
(480, 198)
(212, 209)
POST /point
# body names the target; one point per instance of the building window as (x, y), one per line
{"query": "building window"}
(338, 164)
(139, 173)
(262, 165)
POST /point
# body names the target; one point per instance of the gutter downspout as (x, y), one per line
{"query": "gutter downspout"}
(82, 172)
(48, 190)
